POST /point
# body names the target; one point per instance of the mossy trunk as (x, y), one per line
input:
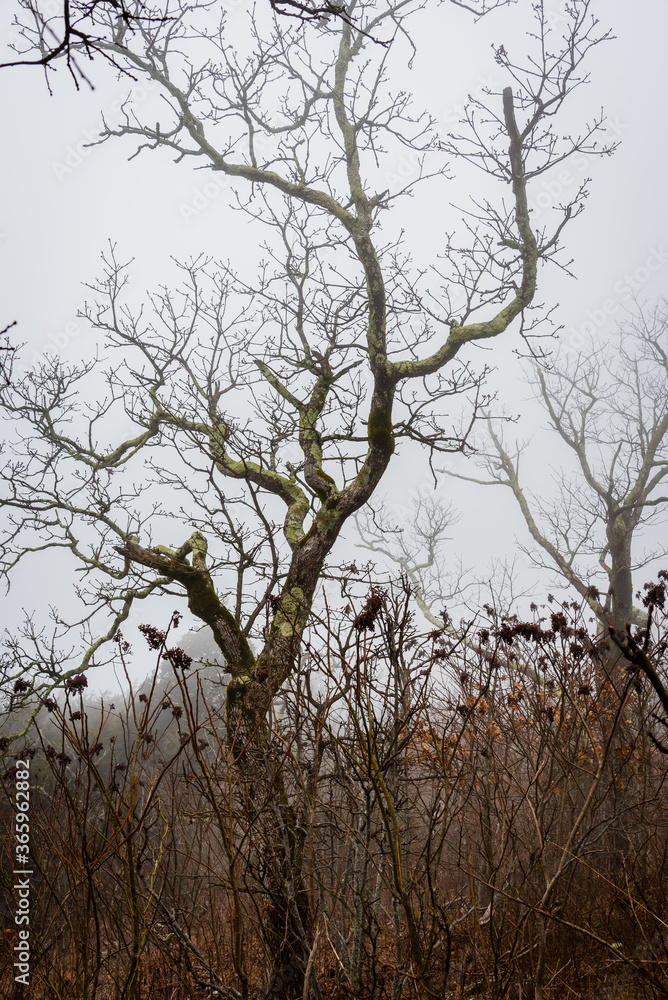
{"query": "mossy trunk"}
(621, 576)
(262, 778)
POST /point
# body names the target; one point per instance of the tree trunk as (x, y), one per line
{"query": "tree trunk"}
(621, 577)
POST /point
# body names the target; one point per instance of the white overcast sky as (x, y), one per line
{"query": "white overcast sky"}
(62, 202)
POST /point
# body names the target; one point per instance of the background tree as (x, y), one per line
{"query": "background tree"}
(609, 405)
(281, 398)
(415, 538)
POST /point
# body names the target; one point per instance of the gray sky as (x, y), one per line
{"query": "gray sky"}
(63, 201)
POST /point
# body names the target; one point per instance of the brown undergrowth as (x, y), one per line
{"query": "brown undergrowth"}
(480, 812)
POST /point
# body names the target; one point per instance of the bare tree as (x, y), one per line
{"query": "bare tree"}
(413, 541)
(281, 398)
(609, 406)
